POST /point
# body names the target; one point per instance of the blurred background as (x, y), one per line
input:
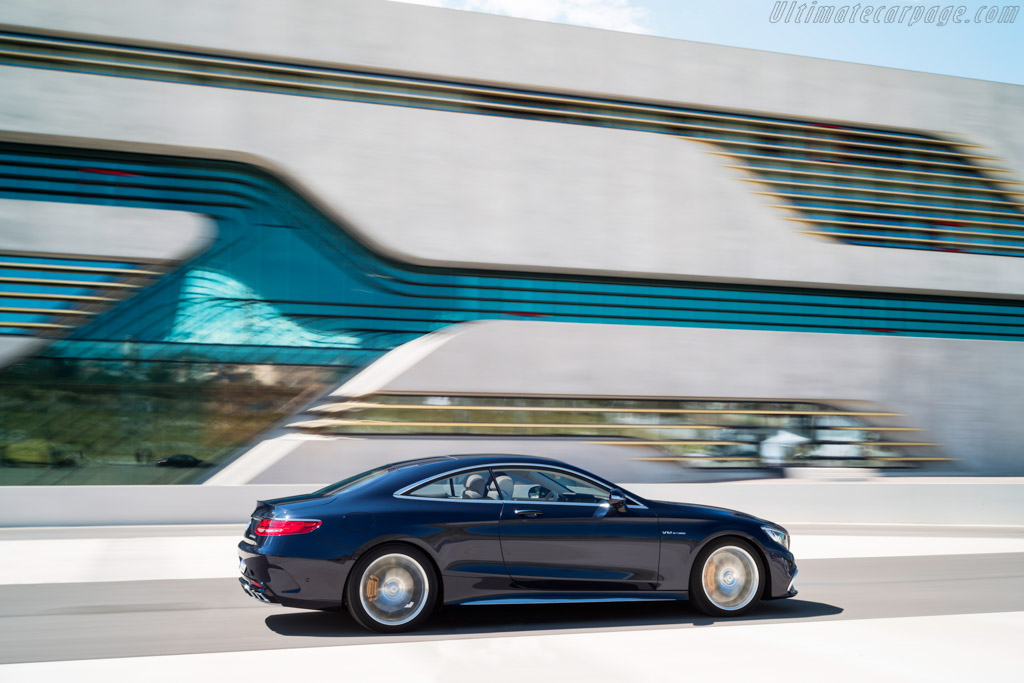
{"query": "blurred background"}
(400, 230)
(249, 247)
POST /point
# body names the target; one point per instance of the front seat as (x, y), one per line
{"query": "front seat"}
(505, 485)
(475, 487)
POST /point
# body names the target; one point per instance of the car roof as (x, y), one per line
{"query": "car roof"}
(408, 471)
(476, 458)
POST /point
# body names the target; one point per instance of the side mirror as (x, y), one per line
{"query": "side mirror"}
(617, 500)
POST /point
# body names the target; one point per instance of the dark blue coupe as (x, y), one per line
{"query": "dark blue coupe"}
(395, 543)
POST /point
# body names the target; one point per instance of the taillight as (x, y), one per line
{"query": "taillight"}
(285, 527)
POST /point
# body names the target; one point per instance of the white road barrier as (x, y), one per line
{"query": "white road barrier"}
(84, 560)
(980, 501)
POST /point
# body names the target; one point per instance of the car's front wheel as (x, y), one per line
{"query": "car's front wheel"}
(727, 578)
(392, 588)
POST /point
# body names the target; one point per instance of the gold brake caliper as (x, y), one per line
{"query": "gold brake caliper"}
(371, 587)
(709, 578)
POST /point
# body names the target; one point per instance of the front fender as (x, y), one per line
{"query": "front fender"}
(681, 543)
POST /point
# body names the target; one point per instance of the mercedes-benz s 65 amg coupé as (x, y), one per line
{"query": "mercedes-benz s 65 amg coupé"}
(394, 543)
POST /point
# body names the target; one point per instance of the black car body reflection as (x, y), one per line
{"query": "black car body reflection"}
(394, 543)
(182, 460)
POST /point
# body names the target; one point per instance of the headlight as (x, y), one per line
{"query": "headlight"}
(777, 535)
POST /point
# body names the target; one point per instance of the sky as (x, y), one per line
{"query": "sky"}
(990, 51)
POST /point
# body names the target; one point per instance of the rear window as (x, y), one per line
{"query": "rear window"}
(475, 485)
(353, 481)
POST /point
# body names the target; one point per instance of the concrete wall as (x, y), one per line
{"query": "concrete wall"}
(109, 231)
(931, 501)
(435, 187)
(965, 394)
(477, 47)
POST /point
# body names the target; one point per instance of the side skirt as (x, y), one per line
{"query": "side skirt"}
(562, 598)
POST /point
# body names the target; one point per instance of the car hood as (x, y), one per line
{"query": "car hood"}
(671, 510)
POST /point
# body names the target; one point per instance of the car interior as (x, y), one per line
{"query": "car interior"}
(518, 484)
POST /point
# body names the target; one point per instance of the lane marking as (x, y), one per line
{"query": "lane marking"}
(815, 547)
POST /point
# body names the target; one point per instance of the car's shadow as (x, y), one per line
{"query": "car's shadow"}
(479, 619)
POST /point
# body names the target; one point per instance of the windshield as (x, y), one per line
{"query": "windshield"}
(353, 481)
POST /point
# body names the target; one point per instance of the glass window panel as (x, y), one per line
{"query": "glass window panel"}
(546, 485)
(474, 485)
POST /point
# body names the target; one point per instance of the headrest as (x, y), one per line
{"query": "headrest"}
(505, 485)
(475, 487)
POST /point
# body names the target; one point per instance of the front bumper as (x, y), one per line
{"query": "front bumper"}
(782, 571)
(792, 589)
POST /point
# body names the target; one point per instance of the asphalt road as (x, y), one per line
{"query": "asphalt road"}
(72, 621)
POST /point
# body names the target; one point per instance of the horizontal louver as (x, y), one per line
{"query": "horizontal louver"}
(856, 184)
(46, 295)
(699, 433)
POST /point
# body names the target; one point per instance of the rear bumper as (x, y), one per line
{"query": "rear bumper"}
(291, 581)
(254, 590)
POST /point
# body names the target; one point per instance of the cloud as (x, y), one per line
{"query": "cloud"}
(615, 15)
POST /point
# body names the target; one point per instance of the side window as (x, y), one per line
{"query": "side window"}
(541, 485)
(475, 485)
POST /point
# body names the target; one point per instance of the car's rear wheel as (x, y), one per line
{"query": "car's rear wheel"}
(727, 578)
(392, 588)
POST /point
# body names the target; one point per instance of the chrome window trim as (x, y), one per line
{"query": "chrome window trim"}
(403, 492)
(451, 500)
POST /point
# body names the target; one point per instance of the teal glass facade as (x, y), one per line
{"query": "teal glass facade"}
(284, 284)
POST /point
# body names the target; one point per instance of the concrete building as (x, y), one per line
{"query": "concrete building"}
(228, 222)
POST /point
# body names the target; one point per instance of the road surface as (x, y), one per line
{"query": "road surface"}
(891, 602)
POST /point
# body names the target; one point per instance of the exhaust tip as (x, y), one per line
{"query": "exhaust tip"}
(252, 593)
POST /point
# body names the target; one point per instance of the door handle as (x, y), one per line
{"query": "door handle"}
(529, 513)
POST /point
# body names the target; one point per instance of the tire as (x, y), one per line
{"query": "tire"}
(727, 578)
(391, 589)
